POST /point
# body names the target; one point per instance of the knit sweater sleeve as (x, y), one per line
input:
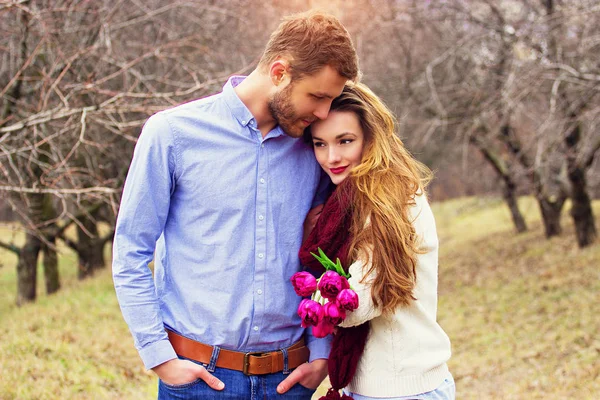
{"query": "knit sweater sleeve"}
(361, 284)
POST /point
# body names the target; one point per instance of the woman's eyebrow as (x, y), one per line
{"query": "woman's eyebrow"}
(339, 136)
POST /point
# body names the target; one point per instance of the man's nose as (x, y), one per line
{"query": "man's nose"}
(322, 111)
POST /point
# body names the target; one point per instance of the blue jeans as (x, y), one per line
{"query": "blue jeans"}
(446, 391)
(237, 386)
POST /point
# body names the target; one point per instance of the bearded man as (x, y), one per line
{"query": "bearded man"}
(217, 193)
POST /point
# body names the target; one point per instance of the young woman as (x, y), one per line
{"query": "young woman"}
(379, 223)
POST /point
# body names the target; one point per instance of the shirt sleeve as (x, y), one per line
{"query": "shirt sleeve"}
(319, 347)
(366, 310)
(142, 216)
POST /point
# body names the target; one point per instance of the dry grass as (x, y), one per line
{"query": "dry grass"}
(71, 345)
(521, 312)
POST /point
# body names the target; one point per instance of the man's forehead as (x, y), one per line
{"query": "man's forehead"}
(326, 82)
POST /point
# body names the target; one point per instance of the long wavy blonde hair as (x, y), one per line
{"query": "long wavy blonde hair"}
(385, 184)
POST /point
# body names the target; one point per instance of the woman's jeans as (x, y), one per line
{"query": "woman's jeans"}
(237, 386)
(446, 391)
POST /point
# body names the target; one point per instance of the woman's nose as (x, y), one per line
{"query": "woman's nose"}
(334, 155)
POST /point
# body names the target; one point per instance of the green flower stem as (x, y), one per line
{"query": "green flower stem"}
(318, 298)
(330, 265)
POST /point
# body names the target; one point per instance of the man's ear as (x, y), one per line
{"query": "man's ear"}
(279, 71)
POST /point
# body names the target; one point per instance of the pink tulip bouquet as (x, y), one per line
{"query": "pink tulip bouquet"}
(330, 296)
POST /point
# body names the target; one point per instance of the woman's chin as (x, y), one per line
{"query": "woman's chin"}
(337, 179)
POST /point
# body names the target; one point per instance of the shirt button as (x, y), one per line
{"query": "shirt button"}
(262, 145)
(256, 328)
(259, 291)
(260, 217)
(260, 255)
(262, 180)
(244, 122)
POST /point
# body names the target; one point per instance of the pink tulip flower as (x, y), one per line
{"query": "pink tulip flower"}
(330, 285)
(333, 313)
(310, 312)
(304, 283)
(323, 328)
(345, 283)
(347, 300)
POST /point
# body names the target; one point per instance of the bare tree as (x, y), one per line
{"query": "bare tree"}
(74, 96)
(572, 50)
(513, 84)
(484, 72)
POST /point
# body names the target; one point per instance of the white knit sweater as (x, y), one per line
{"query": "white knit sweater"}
(406, 352)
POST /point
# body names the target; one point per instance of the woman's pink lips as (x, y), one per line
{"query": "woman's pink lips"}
(338, 170)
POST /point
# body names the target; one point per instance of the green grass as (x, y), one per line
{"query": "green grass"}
(70, 345)
(521, 312)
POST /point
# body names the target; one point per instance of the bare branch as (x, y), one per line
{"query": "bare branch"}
(58, 192)
(10, 247)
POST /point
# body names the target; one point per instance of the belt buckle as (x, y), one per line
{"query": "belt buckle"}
(247, 361)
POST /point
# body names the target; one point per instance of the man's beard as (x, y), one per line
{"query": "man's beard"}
(283, 112)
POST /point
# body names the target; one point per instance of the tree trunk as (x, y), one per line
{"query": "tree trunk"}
(51, 268)
(28, 256)
(511, 200)
(551, 210)
(27, 269)
(550, 205)
(91, 258)
(504, 172)
(97, 257)
(583, 217)
(89, 249)
(49, 249)
(581, 208)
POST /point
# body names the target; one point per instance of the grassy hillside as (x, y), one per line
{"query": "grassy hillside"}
(71, 345)
(521, 312)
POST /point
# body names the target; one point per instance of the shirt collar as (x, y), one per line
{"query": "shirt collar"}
(238, 108)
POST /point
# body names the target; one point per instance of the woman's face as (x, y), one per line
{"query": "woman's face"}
(338, 142)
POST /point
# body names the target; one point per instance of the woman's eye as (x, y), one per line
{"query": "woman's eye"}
(318, 144)
(346, 141)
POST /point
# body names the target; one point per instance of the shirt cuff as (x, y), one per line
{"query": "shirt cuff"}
(157, 353)
(319, 348)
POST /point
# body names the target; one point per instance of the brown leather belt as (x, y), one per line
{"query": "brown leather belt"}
(249, 363)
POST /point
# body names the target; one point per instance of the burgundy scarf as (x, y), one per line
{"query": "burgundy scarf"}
(332, 235)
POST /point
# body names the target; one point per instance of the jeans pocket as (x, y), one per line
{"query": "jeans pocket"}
(183, 386)
(298, 388)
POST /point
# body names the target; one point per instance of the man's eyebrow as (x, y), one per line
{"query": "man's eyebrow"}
(321, 94)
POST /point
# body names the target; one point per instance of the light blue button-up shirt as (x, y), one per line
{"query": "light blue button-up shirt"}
(220, 209)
